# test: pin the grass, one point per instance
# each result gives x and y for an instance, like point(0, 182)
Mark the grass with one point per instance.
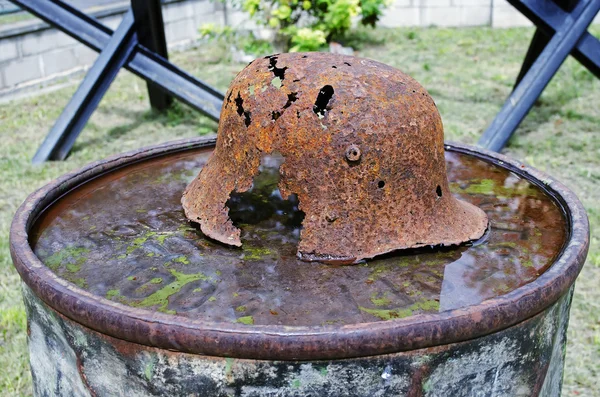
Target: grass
point(469, 72)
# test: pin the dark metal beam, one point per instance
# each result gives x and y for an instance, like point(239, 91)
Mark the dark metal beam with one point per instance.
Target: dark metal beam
point(144, 63)
point(549, 17)
point(537, 45)
point(62, 136)
point(151, 34)
point(539, 75)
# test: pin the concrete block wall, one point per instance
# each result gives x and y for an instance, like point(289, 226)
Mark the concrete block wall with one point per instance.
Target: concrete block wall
point(35, 54)
point(450, 13)
point(182, 20)
point(445, 13)
point(32, 54)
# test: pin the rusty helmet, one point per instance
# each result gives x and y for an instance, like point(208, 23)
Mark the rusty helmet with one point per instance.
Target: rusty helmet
point(363, 148)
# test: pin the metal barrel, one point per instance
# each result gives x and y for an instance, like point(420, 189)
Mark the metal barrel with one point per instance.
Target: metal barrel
point(83, 344)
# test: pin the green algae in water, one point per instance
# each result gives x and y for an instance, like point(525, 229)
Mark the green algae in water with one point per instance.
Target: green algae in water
point(248, 320)
point(78, 281)
point(162, 237)
point(139, 242)
point(255, 253)
point(485, 186)
point(72, 257)
point(74, 267)
point(491, 188)
point(425, 306)
point(182, 259)
point(380, 300)
point(527, 263)
point(160, 298)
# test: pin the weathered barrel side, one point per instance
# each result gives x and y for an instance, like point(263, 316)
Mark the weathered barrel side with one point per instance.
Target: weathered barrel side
point(523, 360)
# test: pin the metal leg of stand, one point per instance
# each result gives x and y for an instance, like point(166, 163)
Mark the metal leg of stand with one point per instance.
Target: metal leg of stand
point(537, 45)
point(539, 75)
point(151, 34)
point(61, 137)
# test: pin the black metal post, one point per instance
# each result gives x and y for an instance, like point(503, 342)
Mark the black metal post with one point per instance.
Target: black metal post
point(60, 139)
point(151, 34)
point(539, 75)
point(538, 43)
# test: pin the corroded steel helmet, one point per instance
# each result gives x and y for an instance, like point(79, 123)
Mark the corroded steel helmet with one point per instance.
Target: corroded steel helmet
point(363, 145)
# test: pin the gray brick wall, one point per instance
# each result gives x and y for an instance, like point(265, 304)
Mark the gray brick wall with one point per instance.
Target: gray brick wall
point(22, 70)
point(32, 54)
point(9, 49)
point(496, 13)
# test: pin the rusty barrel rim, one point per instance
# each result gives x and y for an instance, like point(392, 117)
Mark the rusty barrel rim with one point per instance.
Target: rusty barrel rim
point(299, 342)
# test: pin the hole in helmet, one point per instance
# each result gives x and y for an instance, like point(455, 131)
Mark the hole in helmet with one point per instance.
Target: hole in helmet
point(353, 153)
point(263, 203)
point(278, 72)
point(247, 118)
point(438, 191)
point(275, 115)
point(381, 184)
point(292, 97)
point(325, 95)
point(346, 63)
point(239, 103)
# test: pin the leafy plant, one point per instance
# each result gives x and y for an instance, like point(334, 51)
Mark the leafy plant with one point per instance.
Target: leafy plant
point(245, 41)
point(308, 25)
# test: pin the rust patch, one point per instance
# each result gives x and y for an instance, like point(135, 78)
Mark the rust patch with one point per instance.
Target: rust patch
point(82, 375)
point(363, 142)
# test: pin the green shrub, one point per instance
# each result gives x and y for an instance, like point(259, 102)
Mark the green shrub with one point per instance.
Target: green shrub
point(245, 41)
point(308, 25)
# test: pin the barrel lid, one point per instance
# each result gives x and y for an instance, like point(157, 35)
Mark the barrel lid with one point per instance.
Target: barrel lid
point(109, 247)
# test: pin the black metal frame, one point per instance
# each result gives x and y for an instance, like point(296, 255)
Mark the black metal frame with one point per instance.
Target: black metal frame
point(561, 30)
point(138, 45)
